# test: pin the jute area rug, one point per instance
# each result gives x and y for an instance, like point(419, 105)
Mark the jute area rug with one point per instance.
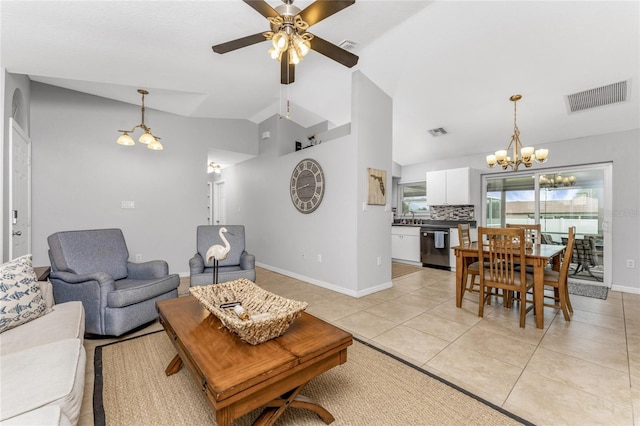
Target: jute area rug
point(371, 388)
point(400, 269)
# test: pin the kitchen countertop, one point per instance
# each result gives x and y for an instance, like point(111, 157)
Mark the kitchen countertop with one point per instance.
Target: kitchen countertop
point(441, 223)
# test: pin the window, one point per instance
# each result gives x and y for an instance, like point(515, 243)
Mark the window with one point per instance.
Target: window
point(557, 199)
point(413, 198)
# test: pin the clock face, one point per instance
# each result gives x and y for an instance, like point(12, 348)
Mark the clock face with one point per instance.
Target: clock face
point(307, 185)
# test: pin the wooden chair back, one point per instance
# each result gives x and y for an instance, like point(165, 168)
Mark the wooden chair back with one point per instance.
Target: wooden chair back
point(500, 251)
point(566, 256)
point(532, 232)
point(464, 234)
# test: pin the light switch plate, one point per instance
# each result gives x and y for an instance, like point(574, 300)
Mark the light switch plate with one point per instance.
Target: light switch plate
point(128, 205)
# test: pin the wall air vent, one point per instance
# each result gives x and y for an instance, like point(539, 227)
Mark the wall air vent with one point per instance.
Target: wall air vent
point(600, 96)
point(438, 132)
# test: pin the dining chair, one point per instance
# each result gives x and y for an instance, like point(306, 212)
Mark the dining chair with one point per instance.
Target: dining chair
point(473, 269)
point(532, 231)
point(559, 279)
point(532, 235)
point(499, 251)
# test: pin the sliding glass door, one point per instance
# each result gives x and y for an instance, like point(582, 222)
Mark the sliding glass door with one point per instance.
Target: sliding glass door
point(558, 199)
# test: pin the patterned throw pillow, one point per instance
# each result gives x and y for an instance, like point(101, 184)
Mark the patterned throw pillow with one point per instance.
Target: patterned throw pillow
point(20, 297)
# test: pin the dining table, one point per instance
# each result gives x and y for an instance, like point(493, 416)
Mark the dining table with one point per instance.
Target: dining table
point(537, 256)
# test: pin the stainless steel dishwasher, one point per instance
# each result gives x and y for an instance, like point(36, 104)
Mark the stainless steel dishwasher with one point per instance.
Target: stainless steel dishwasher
point(434, 247)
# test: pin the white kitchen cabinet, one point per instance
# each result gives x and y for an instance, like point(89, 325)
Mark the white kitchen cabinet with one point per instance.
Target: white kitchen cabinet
point(405, 243)
point(449, 187)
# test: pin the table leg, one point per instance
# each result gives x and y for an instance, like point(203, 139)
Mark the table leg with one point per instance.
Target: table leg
point(461, 273)
point(174, 366)
point(538, 291)
point(274, 409)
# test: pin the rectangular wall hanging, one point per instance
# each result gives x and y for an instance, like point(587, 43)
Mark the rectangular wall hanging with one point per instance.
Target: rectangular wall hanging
point(377, 186)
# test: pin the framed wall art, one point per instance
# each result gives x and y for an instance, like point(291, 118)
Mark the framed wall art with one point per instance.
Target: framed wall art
point(377, 186)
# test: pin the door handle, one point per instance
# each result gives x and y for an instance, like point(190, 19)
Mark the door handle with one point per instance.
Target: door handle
point(18, 233)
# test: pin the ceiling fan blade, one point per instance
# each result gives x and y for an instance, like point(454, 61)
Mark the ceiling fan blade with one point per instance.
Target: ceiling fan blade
point(321, 9)
point(334, 52)
point(262, 7)
point(238, 43)
point(287, 70)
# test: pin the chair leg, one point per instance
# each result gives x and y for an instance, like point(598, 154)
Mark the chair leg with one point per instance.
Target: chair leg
point(566, 290)
point(481, 301)
point(464, 285)
point(563, 305)
point(471, 284)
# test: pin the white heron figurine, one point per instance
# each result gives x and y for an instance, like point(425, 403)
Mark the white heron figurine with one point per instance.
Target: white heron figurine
point(218, 252)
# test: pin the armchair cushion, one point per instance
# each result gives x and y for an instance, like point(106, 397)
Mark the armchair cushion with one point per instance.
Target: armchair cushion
point(128, 291)
point(85, 252)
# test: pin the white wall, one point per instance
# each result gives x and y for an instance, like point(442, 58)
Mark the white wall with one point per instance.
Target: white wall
point(371, 115)
point(621, 148)
point(348, 239)
point(81, 176)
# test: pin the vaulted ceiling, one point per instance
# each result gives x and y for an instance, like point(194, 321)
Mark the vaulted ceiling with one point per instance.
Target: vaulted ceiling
point(449, 64)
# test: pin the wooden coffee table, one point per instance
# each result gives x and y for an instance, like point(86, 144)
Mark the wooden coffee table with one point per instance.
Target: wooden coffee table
point(238, 377)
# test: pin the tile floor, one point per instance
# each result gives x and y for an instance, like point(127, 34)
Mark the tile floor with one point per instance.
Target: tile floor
point(582, 372)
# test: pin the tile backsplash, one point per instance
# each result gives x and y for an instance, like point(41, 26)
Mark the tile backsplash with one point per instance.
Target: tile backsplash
point(452, 212)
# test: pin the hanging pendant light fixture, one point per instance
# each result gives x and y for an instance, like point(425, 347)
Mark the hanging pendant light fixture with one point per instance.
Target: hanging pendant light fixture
point(521, 155)
point(556, 181)
point(147, 137)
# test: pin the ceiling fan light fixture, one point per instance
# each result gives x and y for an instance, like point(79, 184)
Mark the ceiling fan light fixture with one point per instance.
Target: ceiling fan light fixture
point(288, 27)
point(280, 40)
point(294, 56)
point(302, 45)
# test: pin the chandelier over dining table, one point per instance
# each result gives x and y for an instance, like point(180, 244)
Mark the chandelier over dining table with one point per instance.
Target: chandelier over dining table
point(521, 155)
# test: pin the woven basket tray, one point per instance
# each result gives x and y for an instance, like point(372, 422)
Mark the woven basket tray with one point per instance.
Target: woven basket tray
point(255, 300)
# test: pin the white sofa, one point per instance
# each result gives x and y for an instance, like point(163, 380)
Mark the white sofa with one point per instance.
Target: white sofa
point(42, 366)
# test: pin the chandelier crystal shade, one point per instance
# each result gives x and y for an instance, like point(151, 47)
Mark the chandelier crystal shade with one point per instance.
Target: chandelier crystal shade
point(146, 138)
point(521, 155)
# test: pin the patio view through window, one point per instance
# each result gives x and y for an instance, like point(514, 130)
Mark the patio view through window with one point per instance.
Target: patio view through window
point(557, 199)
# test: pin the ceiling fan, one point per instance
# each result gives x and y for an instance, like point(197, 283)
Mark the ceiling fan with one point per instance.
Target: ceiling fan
point(289, 36)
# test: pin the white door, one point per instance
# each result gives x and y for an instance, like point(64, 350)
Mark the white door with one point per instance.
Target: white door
point(219, 204)
point(19, 192)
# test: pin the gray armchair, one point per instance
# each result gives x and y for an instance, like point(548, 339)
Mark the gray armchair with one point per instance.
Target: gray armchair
point(92, 266)
point(238, 264)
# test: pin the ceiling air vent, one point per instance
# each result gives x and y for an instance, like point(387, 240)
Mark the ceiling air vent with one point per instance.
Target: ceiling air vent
point(438, 132)
point(600, 96)
point(348, 44)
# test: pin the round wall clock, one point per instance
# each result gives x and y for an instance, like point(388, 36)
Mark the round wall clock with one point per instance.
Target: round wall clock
point(307, 185)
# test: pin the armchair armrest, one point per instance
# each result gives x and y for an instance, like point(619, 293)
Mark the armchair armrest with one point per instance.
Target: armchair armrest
point(147, 270)
point(102, 278)
point(247, 261)
point(196, 264)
